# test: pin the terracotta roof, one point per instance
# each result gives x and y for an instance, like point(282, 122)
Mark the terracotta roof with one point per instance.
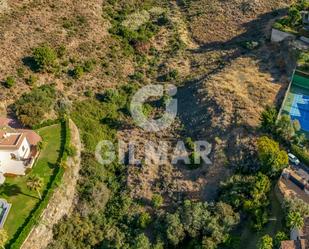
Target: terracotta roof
point(11, 140)
point(305, 233)
point(291, 244)
point(32, 137)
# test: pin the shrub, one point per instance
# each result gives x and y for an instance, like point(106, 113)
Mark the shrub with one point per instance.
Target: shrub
point(271, 157)
point(20, 72)
point(157, 200)
point(32, 107)
point(78, 72)
point(278, 25)
point(89, 65)
point(71, 151)
point(177, 44)
point(268, 119)
point(195, 160)
point(144, 220)
point(61, 51)
point(302, 155)
point(190, 144)
point(294, 17)
point(9, 82)
point(45, 57)
point(138, 76)
point(32, 80)
point(89, 93)
point(266, 242)
point(172, 75)
point(250, 45)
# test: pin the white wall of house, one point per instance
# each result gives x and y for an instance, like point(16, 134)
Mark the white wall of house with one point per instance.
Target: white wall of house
point(278, 36)
point(11, 166)
point(24, 149)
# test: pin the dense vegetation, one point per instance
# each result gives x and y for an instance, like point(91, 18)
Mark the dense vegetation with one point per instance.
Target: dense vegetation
point(32, 108)
point(293, 21)
point(250, 195)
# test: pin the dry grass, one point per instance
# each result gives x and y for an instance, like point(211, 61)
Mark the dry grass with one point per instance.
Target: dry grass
point(242, 87)
point(31, 23)
point(220, 21)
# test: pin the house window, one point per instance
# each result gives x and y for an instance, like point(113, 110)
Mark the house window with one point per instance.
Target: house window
point(23, 148)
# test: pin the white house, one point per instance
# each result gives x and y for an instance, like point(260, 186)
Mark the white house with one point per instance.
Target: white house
point(17, 152)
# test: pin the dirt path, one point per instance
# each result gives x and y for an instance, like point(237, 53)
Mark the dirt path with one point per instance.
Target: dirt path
point(61, 203)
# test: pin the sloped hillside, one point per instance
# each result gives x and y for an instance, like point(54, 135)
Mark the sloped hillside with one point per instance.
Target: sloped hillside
point(220, 21)
point(218, 54)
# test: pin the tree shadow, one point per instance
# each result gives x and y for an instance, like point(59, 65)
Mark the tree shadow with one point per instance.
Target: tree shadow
point(198, 110)
point(10, 190)
point(51, 165)
point(29, 62)
point(191, 98)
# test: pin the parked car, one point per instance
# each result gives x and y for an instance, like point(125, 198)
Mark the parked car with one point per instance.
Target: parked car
point(293, 159)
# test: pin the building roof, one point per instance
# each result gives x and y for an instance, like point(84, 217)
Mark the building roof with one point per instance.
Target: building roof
point(294, 244)
point(305, 231)
point(289, 244)
point(303, 239)
point(32, 137)
point(11, 140)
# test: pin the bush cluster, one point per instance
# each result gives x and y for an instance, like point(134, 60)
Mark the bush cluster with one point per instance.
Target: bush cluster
point(32, 107)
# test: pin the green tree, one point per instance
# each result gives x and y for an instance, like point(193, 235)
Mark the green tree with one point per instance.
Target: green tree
point(157, 200)
point(45, 57)
point(194, 216)
point(249, 194)
point(209, 243)
point(3, 238)
point(266, 242)
point(295, 220)
point(32, 107)
point(174, 229)
point(272, 159)
point(35, 183)
point(285, 128)
point(144, 220)
point(299, 139)
point(226, 214)
point(295, 17)
point(280, 236)
point(297, 205)
point(158, 245)
point(141, 242)
point(268, 119)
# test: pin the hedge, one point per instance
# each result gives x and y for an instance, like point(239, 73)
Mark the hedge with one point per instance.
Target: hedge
point(36, 213)
point(302, 155)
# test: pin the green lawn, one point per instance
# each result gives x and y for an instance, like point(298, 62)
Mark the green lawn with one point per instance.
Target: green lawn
point(15, 190)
